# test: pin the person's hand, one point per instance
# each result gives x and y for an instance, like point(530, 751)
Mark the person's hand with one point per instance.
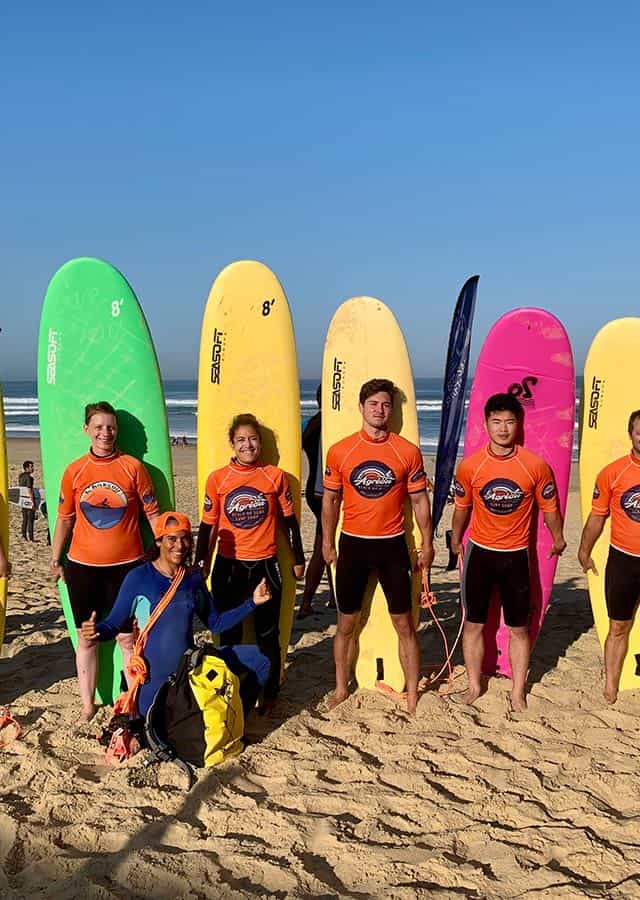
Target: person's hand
point(88, 628)
point(56, 570)
point(5, 568)
point(587, 563)
point(262, 593)
point(456, 545)
point(298, 570)
point(329, 553)
point(425, 557)
point(557, 548)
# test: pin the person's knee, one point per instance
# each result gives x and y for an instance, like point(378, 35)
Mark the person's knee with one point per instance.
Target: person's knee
point(619, 628)
point(346, 624)
point(125, 641)
point(473, 629)
point(519, 632)
point(404, 626)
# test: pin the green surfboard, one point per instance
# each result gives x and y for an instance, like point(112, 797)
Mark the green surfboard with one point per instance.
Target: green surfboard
point(95, 344)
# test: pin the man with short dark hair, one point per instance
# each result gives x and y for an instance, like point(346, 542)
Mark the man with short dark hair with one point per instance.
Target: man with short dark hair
point(500, 484)
point(371, 472)
point(27, 499)
point(617, 494)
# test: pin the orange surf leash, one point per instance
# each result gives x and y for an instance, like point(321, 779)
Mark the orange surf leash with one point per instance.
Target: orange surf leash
point(428, 600)
point(137, 668)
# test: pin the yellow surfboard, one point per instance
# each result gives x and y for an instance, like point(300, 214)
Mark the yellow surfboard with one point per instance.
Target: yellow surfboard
point(248, 363)
point(364, 341)
point(4, 516)
point(611, 392)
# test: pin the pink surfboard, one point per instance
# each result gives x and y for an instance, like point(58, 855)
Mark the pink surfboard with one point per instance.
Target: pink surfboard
point(527, 353)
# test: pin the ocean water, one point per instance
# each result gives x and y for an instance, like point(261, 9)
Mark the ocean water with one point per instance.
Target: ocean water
point(21, 409)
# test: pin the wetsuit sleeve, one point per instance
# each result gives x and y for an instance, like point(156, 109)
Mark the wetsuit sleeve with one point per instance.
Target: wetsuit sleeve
point(123, 609)
point(546, 492)
point(285, 498)
point(416, 475)
point(600, 505)
point(202, 545)
point(211, 505)
point(146, 492)
point(332, 474)
point(462, 486)
point(219, 621)
point(295, 539)
point(66, 504)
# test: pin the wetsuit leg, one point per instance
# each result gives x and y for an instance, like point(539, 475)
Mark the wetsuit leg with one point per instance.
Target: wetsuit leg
point(267, 621)
point(230, 588)
point(252, 668)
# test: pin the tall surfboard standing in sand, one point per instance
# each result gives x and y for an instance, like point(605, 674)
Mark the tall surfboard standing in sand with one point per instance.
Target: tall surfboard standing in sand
point(454, 390)
point(95, 344)
point(527, 353)
point(248, 363)
point(364, 341)
point(611, 393)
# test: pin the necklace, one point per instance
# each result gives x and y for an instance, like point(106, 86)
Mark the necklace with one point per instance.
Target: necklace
point(170, 575)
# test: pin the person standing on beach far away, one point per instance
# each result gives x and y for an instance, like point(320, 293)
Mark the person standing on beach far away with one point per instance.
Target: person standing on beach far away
point(498, 487)
point(311, 444)
point(101, 498)
point(27, 499)
point(371, 472)
point(243, 502)
point(617, 494)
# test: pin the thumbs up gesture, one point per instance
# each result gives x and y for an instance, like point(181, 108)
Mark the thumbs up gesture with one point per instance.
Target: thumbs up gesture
point(88, 628)
point(261, 593)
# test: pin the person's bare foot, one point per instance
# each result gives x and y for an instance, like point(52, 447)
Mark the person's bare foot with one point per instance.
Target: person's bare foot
point(87, 714)
point(518, 703)
point(337, 698)
point(412, 702)
point(610, 694)
point(471, 695)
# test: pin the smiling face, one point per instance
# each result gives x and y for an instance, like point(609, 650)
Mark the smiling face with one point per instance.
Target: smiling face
point(174, 548)
point(376, 410)
point(246, 445)
point(502, 428)
point(102, 429)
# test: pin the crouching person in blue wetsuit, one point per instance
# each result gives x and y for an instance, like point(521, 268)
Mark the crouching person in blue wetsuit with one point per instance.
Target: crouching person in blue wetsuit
point(172, 633)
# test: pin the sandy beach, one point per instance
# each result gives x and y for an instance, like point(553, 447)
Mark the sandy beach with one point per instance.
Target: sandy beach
point(360, 802)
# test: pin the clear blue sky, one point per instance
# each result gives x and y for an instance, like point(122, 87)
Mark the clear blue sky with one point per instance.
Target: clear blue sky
point(384, 149)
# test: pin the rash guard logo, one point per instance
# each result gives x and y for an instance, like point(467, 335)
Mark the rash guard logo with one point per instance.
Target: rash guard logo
point(502, 496)
point(208, 505)
point(549, 490)
point(372, 479)
point(630, 503)
point(246, 507)
point(103, 504)
point(596, 492)
point(458, 489)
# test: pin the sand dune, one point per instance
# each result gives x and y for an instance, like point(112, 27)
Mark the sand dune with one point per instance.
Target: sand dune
point(361, 802)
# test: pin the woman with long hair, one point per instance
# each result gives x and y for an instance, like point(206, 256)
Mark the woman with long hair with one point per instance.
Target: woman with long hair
point(243, 504)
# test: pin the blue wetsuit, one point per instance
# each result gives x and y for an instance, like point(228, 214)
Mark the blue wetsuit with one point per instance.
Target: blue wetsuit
point(172, 633)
